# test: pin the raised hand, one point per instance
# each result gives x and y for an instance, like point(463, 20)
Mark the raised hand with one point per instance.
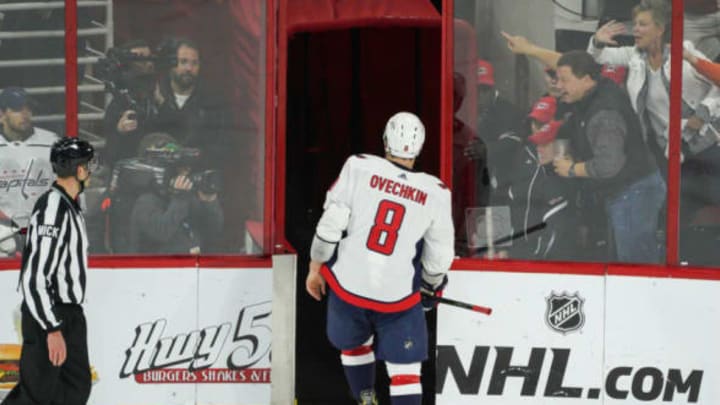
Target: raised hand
point(688, 56)
point(127, 122)
point(518, 44)
point(607, 32)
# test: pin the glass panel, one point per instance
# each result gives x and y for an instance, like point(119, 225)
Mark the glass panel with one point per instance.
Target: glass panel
point(182, 140)
point(700, 168)
point(32, 109)
point(554, 162)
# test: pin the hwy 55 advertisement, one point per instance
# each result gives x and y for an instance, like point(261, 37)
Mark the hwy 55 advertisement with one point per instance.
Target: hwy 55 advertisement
point(165, 336)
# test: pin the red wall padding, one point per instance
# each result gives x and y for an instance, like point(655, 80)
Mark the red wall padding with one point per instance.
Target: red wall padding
point(343, 85)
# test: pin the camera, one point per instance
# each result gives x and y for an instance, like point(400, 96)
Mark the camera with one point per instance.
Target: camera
point(207, 181)
point(159, 166)
point(124, 77)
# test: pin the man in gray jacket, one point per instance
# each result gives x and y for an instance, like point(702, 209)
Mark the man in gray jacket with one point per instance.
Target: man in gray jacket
point(610, 158)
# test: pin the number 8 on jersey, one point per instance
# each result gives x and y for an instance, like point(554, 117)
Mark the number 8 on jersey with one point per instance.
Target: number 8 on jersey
point(384, 233)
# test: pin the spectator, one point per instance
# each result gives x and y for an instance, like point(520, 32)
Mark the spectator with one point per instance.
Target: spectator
point(617, 74)
point(470, 177)
point(130, 114)
point(561, 109)
point(610, 158)
point(648, 64)
point(702, 27)
point(550, 77)
point(539, 208)
point(25, 170)
point(648, 79)
point(710, 70)
point(649, 67)
point(543, 111)
point(187, 110)
point(541, 214)
point(178, 210)
point(498, 123)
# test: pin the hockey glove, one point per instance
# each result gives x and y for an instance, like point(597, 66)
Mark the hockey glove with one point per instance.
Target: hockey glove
point(429, 293)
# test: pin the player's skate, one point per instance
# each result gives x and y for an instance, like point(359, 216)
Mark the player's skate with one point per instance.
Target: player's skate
point(368, 397)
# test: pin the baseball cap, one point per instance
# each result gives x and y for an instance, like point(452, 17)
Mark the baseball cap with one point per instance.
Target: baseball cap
point(15, 98)
point(615, 73)
point(485, 73)
point(544, 109)
point(546, 134)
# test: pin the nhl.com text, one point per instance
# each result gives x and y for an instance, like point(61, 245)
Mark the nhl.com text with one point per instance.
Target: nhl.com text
point(644, 383)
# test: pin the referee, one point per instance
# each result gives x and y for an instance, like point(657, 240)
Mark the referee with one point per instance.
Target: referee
point(54, 366)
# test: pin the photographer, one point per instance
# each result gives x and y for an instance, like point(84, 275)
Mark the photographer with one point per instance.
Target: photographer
point(129, 74)
point(178, 211)
point(187, 109)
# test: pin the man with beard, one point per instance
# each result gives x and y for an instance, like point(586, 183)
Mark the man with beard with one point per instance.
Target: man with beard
point(25, 170)
point(129, 117)
point(187, 110)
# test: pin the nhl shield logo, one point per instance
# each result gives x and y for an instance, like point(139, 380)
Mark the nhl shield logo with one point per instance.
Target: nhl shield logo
point(564, 312)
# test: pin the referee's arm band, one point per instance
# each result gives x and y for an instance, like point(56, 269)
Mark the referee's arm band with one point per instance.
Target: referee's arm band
point(321, 250)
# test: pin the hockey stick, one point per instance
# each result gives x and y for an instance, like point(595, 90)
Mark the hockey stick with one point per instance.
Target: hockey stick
point(459, 304)
point(15, 230)
point(516, 235)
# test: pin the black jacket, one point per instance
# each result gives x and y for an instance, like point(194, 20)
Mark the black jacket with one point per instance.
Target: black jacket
point(124, 145)
point(203, 122)
point(177, 223)
point(541, 215)
point(606, 96)
point(499, 127)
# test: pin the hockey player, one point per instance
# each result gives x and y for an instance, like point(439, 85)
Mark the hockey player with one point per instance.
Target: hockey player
point(25, 170)
point(386, 232)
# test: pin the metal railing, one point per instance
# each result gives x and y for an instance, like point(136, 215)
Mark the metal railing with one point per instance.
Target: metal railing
point(89, 84)
point(48, 5)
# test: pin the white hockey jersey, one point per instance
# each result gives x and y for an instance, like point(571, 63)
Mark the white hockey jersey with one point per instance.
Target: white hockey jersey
point(25, 172)
point(391, 223)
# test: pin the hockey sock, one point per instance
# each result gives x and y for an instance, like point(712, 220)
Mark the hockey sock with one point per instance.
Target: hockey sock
point(405, 387)
point(407, 400)
point(359, 366)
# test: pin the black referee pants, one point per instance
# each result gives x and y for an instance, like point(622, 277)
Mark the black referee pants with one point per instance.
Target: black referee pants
point(41, 383)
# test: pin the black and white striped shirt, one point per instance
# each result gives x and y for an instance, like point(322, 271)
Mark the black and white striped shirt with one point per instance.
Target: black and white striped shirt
point(54, 260)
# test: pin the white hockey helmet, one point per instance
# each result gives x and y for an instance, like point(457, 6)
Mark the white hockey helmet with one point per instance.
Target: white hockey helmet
point(404, 135)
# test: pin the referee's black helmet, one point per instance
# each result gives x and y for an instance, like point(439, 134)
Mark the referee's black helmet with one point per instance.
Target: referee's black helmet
point(67, 154)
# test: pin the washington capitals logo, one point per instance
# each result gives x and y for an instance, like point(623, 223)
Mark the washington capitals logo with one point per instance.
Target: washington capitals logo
point(564, 312)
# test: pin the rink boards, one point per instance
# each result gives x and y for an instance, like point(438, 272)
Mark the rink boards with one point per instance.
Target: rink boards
point(593, 336)
point(172, 336)
point(584, 338)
